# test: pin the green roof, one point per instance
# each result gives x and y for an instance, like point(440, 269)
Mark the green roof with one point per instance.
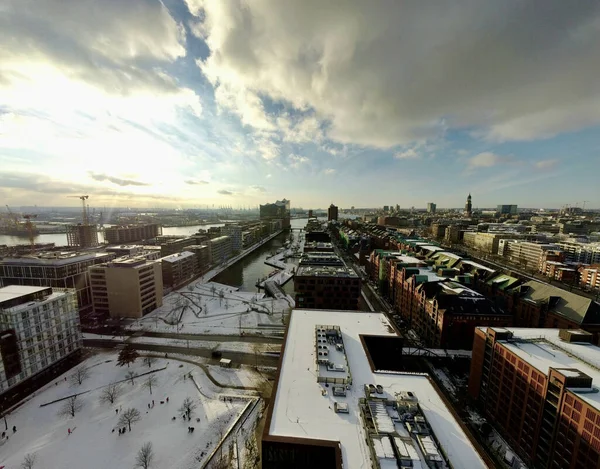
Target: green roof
point(502, 282)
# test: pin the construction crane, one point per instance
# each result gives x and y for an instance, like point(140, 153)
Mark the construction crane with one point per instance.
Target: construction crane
point(84, 212)
point(30, 229)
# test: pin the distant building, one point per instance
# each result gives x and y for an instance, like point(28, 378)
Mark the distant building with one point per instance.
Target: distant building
point(540, 388)
point(279, 209)
point(82, 236)
point(485, 242)
point(438, 230)
point(339, 389)
point(452, 234)
point(234, 231)
point(177, 269)
point(580, 252)
point(202, 254)
point(531, 255)
point(431, 207)
point(506, 209)
point(469, 206)
point(310, 213)
point(332, 213)
point(576, 228)
point(589, 277)
point(386, 208)
point(220, 249)
point(39, 329)
point(173, 244)
point(151, 253)
point(57, 269)
point(126, 288)
point(131, 233)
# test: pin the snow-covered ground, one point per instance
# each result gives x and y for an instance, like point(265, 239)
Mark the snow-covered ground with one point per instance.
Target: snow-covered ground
point(93, 445)
point(214, 308)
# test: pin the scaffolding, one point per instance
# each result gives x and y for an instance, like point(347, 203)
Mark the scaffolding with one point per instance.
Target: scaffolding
point(83, 236)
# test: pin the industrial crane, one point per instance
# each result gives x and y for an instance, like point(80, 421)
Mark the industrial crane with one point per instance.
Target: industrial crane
point(84, 212)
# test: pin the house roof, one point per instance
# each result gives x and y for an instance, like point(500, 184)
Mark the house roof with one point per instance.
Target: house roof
point(503, 281)
point(570, 305)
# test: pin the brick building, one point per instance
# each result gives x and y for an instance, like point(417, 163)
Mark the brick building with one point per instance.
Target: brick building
point(539, 387)
point(320, 285)
point(130, 233)
point(589, 278)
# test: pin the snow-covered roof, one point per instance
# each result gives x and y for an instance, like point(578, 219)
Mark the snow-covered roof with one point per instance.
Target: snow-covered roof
point(12, 292)
point(479, 266)
point(543, 349)
point(304, 408)
point(177, 256)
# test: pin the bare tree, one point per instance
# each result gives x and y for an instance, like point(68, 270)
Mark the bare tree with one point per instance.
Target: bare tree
point(188, 406)
point(130, 375)
point(129, 416)
point(29, 461)
point(111, 393)
point(80, 374)
point(149, 360)
point(151, 381)
point(145, 456)
point(70, 407)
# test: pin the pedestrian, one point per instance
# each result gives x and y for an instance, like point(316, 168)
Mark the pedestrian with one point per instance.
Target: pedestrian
point(152, 402)
point(148, 407)
point(14, 429)
point(167, 399)
point(116, 411)
point(69, 431)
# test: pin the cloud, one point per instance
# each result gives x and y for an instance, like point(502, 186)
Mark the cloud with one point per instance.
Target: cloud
point(329, 171)
point(295, 161)
point(224, 192)
point(115, 180)
point(195, 182)
point(409, 154)
point(259, 188)
point(485, 160)
point(268, 176)
point(546, 164)
point(365, 74)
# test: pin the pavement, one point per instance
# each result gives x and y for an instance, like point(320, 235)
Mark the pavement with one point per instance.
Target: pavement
point(243, 358)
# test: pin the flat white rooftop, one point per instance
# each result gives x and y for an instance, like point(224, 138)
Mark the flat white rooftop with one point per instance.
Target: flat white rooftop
point(302, 408)
point(13, 292)
point(177, 256)
point(543, 349)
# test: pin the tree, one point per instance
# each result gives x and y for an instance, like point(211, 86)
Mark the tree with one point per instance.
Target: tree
point(70, 407)
point(145, 456)
point(130, 375)
point(188, 406)
point(127, 355)
point(111, 393)
point(29, 461)
point(149, 360)
point(129, 416)
point(80, 374)
point(151, 380)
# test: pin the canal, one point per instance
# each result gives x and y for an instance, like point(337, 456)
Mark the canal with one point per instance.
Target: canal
point(247, 271)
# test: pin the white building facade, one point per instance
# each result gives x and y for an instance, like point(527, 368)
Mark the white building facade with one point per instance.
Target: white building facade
point(40, 325)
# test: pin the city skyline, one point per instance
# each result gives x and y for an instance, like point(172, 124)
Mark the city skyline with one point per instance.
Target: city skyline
point(193, 103)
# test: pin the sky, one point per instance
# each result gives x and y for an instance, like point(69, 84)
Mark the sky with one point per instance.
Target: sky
point(193, 103)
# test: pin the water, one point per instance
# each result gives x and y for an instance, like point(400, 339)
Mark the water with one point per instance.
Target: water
point(60, 239)
point(247, 271)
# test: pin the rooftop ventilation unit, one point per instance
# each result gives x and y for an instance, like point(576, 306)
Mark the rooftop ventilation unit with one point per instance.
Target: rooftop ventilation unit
point(575, 335)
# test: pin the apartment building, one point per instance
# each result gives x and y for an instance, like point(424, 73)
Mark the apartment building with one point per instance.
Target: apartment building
point(531, 255)
point(57, 269)
point(126, 288)
point(589, 278)
point(221, 249)
point(540, 388)
point(234, 231)
point(177, 269)
point(39, 331)
point(173, 244)
point(151, 253)
point(485, 242)
point(583, 253)
point(131, 233)
point(202, 254)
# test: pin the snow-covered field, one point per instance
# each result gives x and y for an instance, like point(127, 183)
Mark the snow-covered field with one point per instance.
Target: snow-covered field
point(214, 308)
point(94, 445)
